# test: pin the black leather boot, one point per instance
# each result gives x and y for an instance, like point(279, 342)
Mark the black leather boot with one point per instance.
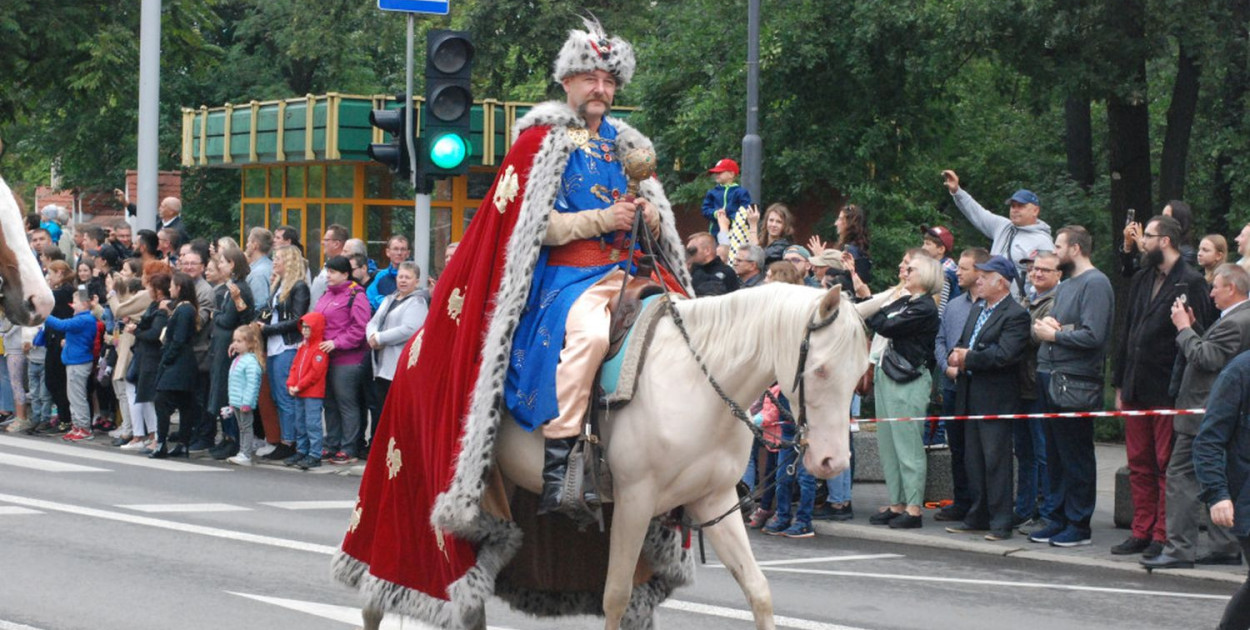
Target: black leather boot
point(555, 467)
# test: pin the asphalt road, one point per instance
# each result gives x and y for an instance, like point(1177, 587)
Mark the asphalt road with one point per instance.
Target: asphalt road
point(93, 538)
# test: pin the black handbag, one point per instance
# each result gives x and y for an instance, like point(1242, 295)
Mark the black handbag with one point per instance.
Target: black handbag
point(1070, 393)
point(896, 367)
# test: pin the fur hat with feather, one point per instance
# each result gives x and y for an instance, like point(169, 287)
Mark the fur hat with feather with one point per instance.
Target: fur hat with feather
point(592, 49)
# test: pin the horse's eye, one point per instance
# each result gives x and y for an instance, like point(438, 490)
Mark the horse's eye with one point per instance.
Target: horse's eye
point(821, 372)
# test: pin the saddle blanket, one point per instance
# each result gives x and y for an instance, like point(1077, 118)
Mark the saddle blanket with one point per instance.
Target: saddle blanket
point(618, 378)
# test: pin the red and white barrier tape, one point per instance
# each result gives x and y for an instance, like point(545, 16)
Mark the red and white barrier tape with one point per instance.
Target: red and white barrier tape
point(1028, 416)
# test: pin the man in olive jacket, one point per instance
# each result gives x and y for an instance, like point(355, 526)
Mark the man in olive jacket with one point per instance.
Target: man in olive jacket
point(1205, 356)
point(988, 358)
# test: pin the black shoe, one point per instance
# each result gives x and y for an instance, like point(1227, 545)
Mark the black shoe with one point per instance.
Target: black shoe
point(120, 441)
point(309, 462)
point(828, 512)
point(950, 513)
point(294, 459)
point(883, 517)
point(555, 466)
point(228, 448)
point(1164, 561)
point(999, 534)
point(1153, 550)
point(199, 445)
point(281, 452)
point(1227, 559)
point(906, 521)
point(159, 453)
point(179, 451)
point(1130, 546)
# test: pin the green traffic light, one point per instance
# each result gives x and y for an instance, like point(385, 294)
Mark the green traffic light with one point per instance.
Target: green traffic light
point(448, 151)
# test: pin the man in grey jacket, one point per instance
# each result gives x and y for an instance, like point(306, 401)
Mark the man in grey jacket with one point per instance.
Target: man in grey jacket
point(1205, 356)
point(1073, 350)
point(1013, 238)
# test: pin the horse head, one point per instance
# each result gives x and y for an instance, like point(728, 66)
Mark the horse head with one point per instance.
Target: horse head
point(24, 294)
point(836, 359)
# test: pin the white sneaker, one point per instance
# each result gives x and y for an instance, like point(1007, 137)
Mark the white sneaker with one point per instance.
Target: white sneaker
point(240, 460)
point(134, 445)
point(265, 450)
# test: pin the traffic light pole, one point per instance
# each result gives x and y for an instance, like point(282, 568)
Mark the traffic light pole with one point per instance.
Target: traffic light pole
point(421, 223)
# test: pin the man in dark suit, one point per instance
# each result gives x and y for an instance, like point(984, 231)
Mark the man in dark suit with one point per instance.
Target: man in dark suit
point(1143, 375)
point(1205, 356)
point(988, 359)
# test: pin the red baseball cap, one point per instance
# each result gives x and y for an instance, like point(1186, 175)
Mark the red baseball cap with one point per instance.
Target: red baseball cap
point(943, 236)
point(725, 165)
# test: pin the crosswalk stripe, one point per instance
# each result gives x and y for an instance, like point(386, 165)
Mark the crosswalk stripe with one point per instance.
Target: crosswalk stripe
point(172, 508)
point(14, 510)
point(311, 505)
point(45, 465)
point(85, 452)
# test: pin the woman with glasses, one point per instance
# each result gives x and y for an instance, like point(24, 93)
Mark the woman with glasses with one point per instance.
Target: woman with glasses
point(907, 317)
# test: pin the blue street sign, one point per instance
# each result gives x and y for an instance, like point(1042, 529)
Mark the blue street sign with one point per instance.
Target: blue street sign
point(435, 7)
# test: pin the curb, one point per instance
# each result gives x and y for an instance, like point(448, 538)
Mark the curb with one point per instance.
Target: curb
point(1007, 550)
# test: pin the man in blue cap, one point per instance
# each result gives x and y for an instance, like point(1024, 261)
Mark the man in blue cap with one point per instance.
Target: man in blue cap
point(987, 359)
point(1014, 237)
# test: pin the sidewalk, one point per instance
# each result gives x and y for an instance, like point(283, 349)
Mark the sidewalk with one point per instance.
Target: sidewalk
point(868, 497)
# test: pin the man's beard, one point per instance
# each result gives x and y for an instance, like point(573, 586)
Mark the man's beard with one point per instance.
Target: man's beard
point(1067, 267)
point(1152, 258)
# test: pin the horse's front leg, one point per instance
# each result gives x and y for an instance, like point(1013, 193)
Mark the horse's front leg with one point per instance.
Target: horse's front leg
point(729, 540)
point(372, 618)
point(631, 516)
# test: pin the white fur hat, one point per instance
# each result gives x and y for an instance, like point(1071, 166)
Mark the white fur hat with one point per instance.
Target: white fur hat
point(592, 49)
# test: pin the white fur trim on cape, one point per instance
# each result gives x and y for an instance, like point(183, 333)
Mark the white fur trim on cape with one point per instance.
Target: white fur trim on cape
point(458, 510)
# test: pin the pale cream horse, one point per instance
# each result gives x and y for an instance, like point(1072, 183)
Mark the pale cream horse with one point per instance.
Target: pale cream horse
point(24, 294)
point(677, 444)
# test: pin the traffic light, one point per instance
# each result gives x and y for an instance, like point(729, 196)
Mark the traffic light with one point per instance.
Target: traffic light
point(396, 153)
point(448, 101)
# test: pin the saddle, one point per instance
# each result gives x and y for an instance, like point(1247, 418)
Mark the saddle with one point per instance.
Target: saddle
point(627, 304)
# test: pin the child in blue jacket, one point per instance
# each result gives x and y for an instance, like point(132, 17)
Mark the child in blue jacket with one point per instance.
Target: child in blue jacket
point(727, 195)
point(78, 356)
point(244, 386)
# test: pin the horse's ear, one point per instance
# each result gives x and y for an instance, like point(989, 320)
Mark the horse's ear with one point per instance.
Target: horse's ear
point(829, 303)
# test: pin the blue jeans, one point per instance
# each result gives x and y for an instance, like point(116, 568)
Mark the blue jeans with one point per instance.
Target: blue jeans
point(840, 487)
point(1033, 496)
point(289, 410)
point(785, 492)
point(40, 399)
point(308, 434)
point(6, 390)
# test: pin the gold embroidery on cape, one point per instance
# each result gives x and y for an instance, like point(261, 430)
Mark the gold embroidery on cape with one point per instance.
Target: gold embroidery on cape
point(394, 460)
point(355, 520)
point(454, 304)
point(415, 349)
point(507, 189)
point(442, 544)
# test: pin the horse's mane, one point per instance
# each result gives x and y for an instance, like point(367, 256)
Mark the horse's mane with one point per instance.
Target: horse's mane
point(762, 322)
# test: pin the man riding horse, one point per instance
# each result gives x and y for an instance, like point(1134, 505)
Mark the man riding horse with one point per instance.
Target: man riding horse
point(520, 320)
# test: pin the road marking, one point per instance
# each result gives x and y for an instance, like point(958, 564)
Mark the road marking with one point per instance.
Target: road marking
point(13, 510)
point(344, 614)
point(311, 505)
point(1061, 587)
point(824, 559)
point(745, 615)
point(45, 465)
point(174, 508)
point(148, 521)
point(9, 625)
point(124, 459)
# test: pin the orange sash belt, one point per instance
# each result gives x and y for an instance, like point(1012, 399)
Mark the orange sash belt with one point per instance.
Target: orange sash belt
point(585, 253)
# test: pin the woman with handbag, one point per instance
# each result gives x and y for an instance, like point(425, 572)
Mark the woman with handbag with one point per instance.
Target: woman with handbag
point(907, 316)
point(279, 323)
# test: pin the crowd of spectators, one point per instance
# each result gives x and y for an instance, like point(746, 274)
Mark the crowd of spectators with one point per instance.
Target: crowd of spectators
point(244, 347)
point(1020, 321)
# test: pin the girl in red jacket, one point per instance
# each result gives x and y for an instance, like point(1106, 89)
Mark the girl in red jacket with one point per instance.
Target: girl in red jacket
point(307, 384)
